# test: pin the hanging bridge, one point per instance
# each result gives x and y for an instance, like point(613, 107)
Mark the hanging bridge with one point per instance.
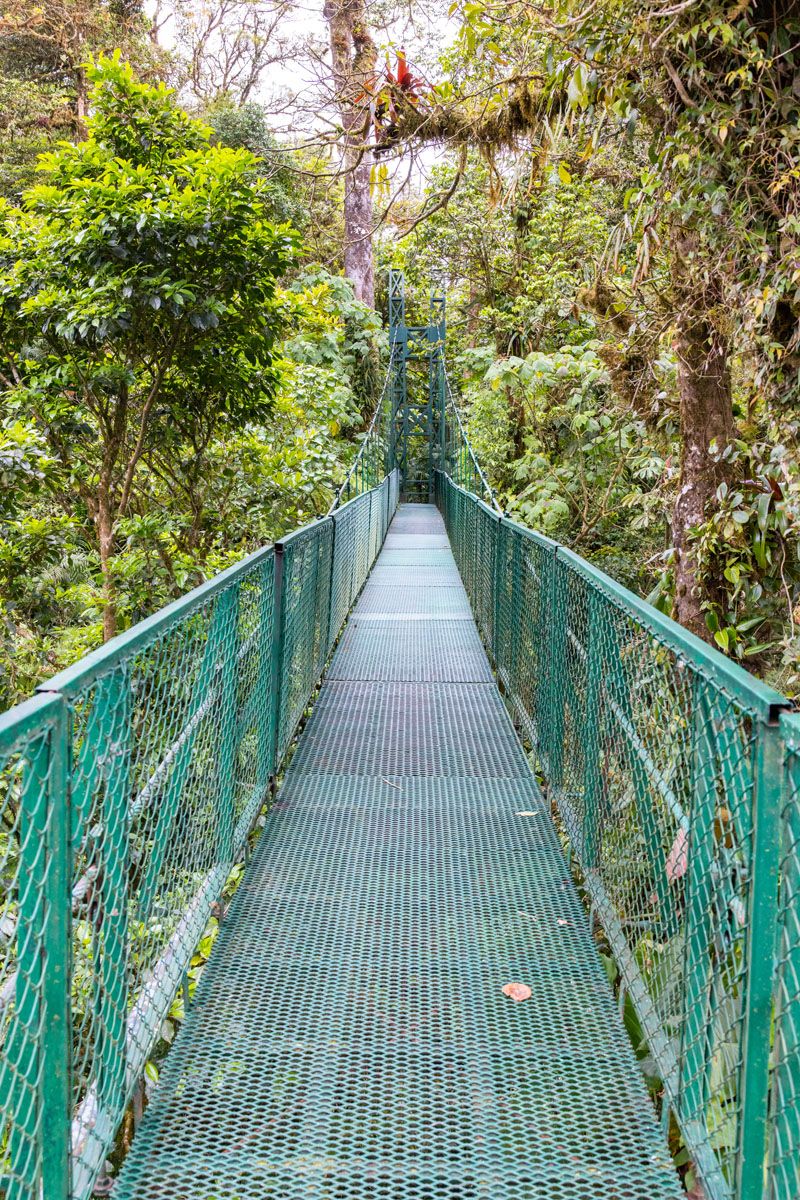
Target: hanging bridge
point(515, 772)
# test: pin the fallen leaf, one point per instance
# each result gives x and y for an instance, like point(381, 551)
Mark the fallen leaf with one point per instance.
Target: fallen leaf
point(517, 991)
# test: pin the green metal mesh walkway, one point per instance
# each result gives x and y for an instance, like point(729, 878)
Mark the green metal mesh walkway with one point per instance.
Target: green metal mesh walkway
point(350, 1037)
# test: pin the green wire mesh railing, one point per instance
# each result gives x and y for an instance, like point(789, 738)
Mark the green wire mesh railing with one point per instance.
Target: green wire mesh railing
point(666, 764)
point(784, 1152)
point(128, 789)
point(371, 462)
point(170, 761)
point(34, 933)
point(462, 464)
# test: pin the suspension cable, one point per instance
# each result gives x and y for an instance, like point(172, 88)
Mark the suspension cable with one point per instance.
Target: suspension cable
point(371, 440)
point(372, 429)
point(453, 404)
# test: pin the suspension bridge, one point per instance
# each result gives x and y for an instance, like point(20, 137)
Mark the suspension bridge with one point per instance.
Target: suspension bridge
point(522, 919)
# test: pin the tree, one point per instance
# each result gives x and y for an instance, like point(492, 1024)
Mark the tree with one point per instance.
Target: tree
point(559, 387)
point(353, 59)
point(137, 292)
point(227, 45)
point(43, 81)
point(709, 89)
point(245, 127)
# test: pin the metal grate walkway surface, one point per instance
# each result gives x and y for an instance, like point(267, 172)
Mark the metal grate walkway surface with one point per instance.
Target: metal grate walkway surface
point(350, 1037)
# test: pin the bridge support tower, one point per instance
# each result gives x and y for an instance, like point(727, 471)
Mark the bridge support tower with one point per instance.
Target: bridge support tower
point(416, 392)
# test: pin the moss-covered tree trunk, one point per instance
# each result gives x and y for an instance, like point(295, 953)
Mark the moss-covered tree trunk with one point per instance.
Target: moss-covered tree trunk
point(706, 419)
point(353, 58)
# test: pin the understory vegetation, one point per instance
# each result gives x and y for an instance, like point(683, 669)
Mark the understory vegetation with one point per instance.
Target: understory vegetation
point(173, 398)
point(190, 305)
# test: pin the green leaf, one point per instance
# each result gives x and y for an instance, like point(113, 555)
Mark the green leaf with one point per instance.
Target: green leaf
point(610, 968)
point(762, 510)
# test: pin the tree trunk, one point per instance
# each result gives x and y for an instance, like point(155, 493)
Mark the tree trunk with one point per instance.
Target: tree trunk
point(706, 420)
point(353, 57)
point(105, 538)
point(81, 103)
point(107, 510)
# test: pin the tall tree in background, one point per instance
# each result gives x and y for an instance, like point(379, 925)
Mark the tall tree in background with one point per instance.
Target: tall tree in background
point(43, 82)
point(710, 90)
point(353, 58)
point(160, 312)
point(226, 46)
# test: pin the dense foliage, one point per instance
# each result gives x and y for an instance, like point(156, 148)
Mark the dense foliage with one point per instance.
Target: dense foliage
point(167, 406)
point(615, 214)
point(185, 370)
point(622, 231)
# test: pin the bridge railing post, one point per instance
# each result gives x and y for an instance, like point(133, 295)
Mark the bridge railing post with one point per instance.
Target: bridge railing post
point(556, 673)
point(229, 661)
point(57, 1042)
point(276, 670)
point(333, 632)
point(499, 579)
point(783, 1151)
point(592, 714)
point(36, 915)
point(266, 636)
point(760, 961)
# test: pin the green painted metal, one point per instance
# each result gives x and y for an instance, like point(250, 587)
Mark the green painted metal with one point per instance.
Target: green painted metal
point(33, 949)
point(784, 1124)
point(594, 808)
point(664, 760)
point(130, 785)
point(416, 424)
point(760, 961)
point(56, 940)
point(409, 870)
point(128, 790)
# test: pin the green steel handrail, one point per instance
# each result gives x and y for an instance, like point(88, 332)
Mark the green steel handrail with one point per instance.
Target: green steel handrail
point(373, 446)
point(128, 789)
point(677, 778)
point(97, 662)
point(732, 678)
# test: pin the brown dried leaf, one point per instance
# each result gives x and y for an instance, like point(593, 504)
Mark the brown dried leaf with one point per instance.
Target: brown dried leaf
point(517, 991)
